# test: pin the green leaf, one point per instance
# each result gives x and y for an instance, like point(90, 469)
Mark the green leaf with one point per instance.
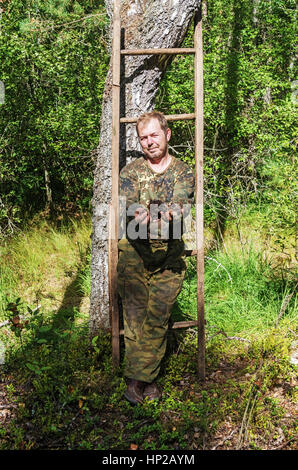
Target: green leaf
point(45, 328)
point(33, 367)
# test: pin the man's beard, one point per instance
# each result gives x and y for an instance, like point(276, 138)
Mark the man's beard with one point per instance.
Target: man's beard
point(159, 156)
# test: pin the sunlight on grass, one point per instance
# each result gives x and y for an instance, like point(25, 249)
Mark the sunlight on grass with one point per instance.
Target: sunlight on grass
point(243, 292)
point(74, 384)
point(42, 259)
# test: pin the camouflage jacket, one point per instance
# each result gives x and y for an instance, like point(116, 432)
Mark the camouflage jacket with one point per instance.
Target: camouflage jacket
point(140, 186)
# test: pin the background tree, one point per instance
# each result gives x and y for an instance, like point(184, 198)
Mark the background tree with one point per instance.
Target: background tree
point(145, 23)
point(54, 59)
point(250, 70)
point(53, 63)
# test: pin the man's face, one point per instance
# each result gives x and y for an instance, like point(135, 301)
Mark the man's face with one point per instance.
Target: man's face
point(153, 140)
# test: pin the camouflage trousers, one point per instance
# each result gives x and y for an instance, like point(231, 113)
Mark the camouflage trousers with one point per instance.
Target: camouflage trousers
point(147, 299)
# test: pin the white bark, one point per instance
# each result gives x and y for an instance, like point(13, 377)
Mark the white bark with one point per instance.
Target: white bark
point(145, 23)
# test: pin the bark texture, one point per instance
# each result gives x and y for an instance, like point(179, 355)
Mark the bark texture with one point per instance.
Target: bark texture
point(145, 23)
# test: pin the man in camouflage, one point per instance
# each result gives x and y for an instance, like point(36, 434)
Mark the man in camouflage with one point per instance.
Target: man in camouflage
point(157, 187)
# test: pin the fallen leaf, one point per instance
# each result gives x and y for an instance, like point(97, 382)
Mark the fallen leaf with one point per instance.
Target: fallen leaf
point(12, 307)
point(15, 320)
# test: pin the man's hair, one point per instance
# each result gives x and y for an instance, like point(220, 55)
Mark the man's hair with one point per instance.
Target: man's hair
point(153, 115)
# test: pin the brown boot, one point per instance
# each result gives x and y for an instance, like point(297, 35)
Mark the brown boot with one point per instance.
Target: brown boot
point(134, 391)
point(151, 392)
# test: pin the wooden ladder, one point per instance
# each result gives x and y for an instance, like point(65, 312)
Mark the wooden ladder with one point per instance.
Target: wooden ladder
point(197, 51)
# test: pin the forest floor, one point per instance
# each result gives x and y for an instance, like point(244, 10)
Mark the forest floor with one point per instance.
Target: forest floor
point(59, 392)
point(278, 434)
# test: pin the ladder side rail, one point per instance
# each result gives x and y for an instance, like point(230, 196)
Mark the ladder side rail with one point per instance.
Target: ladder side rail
point(169, 117)
point(199, 150)
point(113, 222)
point(113, 237)
point(178, 325)
point(167, 51)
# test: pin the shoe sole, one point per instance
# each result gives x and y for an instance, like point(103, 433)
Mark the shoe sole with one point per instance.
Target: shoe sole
point(131, 400)
point(152, 398)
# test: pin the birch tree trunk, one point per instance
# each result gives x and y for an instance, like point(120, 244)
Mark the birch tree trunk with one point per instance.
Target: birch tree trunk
point(145, 23)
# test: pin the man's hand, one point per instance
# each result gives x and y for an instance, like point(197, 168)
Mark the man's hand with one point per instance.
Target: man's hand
point(142, 216)
point(167, 215)
point(170, 214)
point(164, 212)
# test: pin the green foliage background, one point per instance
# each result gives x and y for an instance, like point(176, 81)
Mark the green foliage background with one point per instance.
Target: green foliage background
point(250, 112)
point(53, 63)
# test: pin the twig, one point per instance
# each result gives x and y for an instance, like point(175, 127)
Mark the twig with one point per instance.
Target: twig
point(240, 438)
point(285, 303)
point(220, 265)
point(224, 440)
point(221, 332)
point(71, 22)
point(250, 414)
point(173, 150)
point(216, 150)
point(254, 393)
point(283, 444)
point(293, 332)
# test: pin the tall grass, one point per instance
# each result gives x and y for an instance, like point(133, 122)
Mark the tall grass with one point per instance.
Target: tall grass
point(75, 387)
point(243, 292)
point(40, 259)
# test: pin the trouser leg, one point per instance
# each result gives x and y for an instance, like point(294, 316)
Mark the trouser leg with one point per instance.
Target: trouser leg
point(147, 302)
point(164, 287)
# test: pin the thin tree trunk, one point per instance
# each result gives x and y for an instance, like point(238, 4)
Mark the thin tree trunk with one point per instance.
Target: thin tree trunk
point(48, 188)
point(145, 23)
point(49, 199)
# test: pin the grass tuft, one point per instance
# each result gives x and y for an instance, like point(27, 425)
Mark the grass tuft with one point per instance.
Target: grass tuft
point(65, 393)
point(243, 292)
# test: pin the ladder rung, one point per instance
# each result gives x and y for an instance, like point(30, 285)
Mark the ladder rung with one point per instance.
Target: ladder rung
point(183, 324)
point(157, 51)
point(176, 325)
point(171, 117)
point(190, 252)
